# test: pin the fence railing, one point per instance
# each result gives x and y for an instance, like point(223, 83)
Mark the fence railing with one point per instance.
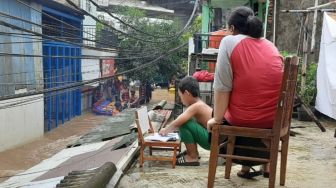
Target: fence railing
point(99, 37)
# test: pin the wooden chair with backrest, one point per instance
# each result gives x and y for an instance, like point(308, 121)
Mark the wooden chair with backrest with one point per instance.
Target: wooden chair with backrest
point(143, 125)
point(279, 133)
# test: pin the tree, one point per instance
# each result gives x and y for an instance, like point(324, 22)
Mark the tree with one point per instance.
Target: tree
point(167, 67)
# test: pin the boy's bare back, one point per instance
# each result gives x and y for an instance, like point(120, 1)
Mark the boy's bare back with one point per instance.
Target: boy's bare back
point(201, 112)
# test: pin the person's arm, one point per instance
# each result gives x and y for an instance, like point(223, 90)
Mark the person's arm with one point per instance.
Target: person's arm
point(221, 101)
point(222, 83)
point(179, 121)
point(135, 100)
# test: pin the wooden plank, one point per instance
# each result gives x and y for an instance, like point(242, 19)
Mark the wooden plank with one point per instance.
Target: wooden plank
point(244, 158)
point(124, 163)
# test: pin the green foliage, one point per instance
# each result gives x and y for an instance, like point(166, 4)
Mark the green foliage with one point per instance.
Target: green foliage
point(195, 28)
point(285, 53)
point(309, 91)
point(168, 67)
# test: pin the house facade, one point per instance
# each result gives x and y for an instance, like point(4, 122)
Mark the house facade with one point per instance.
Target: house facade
point(40, 46)
point(21, 119)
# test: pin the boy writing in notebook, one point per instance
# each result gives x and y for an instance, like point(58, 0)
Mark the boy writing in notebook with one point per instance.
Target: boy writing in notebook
point(192, 123)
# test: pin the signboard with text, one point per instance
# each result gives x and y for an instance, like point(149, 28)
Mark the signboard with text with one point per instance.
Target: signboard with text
point(107, 67)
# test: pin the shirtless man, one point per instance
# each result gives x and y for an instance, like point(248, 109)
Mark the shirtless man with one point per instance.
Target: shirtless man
point(192, 123)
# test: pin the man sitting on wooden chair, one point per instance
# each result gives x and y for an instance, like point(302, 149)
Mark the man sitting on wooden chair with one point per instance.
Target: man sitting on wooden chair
point(191, 123)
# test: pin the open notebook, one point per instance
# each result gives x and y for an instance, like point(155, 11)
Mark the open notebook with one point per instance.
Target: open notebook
point(158, 137)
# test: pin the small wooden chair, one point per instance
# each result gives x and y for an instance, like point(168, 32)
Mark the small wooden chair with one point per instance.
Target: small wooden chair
point(143, 125)
point(279, 132)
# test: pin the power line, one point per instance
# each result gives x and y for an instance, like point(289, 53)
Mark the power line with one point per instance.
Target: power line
point(180, 33)
point(57, 36)
point(23, 42)
point(131, 36)
point(34, 99)
point(187, 25)
point(66, 58)
point(48, 40)
point(52, 17)
point(23, 102)
point(76, 57)
point(49, 27)
point(48, 70)
point(48, 15)
point(126, 24)
point(47, 95)
point(107, 25)
point(93, 80)
point(53, 38)
point(33, 82)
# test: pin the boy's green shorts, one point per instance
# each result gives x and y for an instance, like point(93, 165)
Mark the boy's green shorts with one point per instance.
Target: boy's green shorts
point(193, 132)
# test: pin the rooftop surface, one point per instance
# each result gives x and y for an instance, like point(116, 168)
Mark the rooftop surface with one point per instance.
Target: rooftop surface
point(311, 163)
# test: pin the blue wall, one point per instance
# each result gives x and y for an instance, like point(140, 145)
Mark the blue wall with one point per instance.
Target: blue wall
point(58, 72)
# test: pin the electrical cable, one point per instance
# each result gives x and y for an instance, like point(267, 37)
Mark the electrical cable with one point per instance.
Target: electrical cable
point(31, 100)
point(22, 42)
point(186, 26)
point(23, 102)
point(144, 67)
point(34, 82)
point(126, 24)
point(48, 15)
point(45, 82)
point(42, 71)
point(131, 36)
point(107, 25)
point(190, 20)
point(78, 38)
point(76, 57)
point(51, 27)
point(65, 58)
point(48, 27)
point(93, 80)
point(54, 38)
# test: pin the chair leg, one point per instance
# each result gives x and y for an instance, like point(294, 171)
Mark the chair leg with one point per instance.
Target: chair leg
point(213, 156)
point(273, 162)
point(283, 164)
point(150, 151)
point(141, 161)
point(174, 157)
point(229, 151)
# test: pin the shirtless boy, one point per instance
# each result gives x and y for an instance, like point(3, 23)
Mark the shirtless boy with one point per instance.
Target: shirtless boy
point(192, 123)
